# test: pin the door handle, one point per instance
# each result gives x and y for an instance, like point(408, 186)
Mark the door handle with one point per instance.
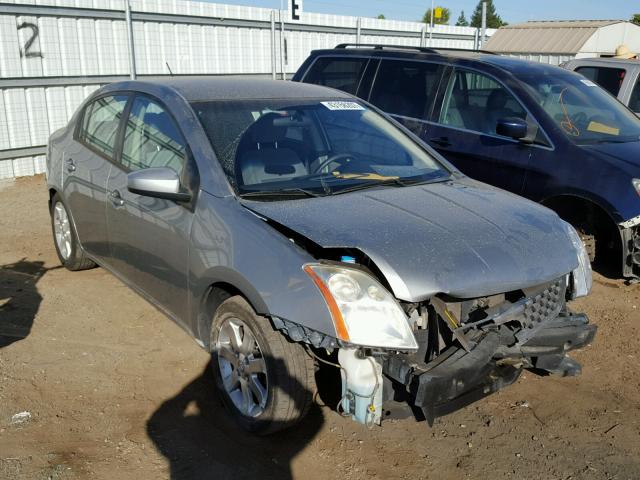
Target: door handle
point(71, 167)
point(116, 198)
point(441, 141)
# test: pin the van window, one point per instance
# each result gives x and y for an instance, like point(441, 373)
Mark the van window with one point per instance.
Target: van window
point(152, 138)
point(634, 101)
point(406, 88)
point(101, 121)
point(608, 78)
point(476, 102)
point(340, 73)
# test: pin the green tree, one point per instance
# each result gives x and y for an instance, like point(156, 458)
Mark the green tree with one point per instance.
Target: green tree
point(636, 19)
point(444, 20)
point(493, 19)
point(462, 20)
point(381, 17)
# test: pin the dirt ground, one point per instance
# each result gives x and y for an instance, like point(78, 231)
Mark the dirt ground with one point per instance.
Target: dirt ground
point(116, 390)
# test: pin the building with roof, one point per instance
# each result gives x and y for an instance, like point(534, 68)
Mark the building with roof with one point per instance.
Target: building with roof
point(555, 42)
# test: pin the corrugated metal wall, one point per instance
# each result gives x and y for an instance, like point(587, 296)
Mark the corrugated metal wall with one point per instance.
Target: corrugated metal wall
point(551, 59)
point(53, 53)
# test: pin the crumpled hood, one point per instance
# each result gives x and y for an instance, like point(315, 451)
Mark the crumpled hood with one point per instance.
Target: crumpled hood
point(462, 238)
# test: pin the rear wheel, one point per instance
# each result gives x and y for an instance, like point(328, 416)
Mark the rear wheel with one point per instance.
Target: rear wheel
point(69, 252)
point(264, 380)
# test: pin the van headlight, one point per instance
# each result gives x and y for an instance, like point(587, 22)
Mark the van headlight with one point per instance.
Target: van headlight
point(363, 311)
point(581, 276)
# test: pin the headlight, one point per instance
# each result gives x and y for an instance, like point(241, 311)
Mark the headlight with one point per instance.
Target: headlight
point(363, 311)
point(582, 275)
point(636, 184)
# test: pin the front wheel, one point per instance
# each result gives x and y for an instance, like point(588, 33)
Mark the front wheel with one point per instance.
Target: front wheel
point(65, 238)
point(264, 380)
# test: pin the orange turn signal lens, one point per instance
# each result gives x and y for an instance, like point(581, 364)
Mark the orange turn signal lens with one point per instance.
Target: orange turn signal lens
point(338, 321)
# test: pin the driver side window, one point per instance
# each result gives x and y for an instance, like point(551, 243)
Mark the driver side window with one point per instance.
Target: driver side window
point(476, 102)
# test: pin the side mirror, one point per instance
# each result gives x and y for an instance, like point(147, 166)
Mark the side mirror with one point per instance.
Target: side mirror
point(161, 182)
point(512, 127)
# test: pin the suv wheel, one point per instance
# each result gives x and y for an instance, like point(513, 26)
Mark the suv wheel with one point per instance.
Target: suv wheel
point(265, 381)
point(65, 238)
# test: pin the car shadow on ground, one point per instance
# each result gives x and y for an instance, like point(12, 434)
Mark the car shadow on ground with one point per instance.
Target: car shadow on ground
point(19, 299)
point(201, 441)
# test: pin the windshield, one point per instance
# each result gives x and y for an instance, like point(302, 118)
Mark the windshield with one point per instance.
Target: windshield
point(584, 111)
point(312, 147)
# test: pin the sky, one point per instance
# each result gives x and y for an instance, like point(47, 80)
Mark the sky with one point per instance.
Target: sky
point(512, 11)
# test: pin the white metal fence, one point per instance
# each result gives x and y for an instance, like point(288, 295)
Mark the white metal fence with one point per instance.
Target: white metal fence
point(53, 53)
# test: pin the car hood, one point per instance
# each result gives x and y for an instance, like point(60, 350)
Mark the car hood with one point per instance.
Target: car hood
point(462, 238)
point(627, 153)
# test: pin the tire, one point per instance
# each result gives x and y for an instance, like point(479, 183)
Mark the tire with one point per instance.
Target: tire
point(65, 238)
point(276, 390)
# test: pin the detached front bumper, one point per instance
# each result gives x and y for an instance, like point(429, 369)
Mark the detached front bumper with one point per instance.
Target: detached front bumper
point(457, 377)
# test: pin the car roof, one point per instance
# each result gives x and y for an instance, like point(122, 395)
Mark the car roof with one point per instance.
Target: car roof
point(208, 88)
point(509, 64)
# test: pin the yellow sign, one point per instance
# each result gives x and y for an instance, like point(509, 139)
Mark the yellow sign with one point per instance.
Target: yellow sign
point(437, 13)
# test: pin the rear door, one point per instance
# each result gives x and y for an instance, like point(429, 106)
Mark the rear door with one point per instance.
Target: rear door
point(87, 163)
point(406, 90)
point(149, 237)
point(634, 96)
point(464, 130)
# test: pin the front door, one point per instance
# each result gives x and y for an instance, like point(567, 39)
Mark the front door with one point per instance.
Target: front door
point(464, 131)
point(149, 237)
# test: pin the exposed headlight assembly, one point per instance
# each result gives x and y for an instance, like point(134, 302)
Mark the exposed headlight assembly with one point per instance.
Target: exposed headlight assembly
point(636, 184)
point(582, 279)
point(363, 311)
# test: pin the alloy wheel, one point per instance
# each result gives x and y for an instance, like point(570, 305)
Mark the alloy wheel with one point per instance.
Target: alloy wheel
point(242, 367)
point(62, 230)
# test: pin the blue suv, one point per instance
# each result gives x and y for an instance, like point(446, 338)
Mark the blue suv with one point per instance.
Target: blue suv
point(536, 130)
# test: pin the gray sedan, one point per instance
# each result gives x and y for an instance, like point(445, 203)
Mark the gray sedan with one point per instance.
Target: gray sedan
point(286, 226)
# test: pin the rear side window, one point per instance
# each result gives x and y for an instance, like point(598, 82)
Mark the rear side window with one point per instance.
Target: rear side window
point(634, 101)
point(406, 88)
point(608, 78)
point(476, 102)
point(100, 123)
point(340, 73)
point(152, 138)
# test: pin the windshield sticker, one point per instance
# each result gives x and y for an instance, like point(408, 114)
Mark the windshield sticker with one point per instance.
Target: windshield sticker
point(602, 128)
point(342, 105)
point(588, 83)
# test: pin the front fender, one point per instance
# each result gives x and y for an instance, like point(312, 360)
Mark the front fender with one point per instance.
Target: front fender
point(231, 245)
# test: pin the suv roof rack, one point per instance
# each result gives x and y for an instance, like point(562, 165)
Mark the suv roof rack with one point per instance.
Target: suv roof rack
point(378, 46)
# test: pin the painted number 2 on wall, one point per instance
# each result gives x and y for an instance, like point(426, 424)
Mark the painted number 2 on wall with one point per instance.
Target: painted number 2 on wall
point(29, 50)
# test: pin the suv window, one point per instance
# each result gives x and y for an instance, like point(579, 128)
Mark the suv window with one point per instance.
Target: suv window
point(406, 88)
point(608, 78)
point(476, 102)
point(634, 101)
point(100, 123)
point(341, 73)
point(152, 138)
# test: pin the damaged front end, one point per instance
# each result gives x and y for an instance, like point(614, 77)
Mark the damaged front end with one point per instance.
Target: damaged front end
point(433, 357)
point(471, 348)
point(630, 234)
